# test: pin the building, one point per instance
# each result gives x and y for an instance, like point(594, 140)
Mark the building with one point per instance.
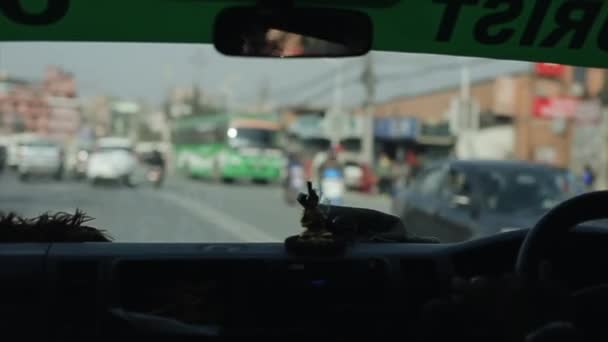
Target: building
point(50, 108)
point(538, 106)
point(64, 109)
point(22, 107)
point(97, 112)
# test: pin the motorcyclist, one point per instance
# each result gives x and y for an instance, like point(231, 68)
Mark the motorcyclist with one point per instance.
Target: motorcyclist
point(157, 160)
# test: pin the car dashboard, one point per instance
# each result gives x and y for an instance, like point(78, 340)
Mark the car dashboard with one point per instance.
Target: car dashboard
point(217, 291)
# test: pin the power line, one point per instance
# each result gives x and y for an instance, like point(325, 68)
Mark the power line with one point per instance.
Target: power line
point(322, 77)
point(448, 66)
point(398, 76)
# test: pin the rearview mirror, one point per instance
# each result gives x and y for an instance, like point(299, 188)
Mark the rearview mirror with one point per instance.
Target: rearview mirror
point(292, 32)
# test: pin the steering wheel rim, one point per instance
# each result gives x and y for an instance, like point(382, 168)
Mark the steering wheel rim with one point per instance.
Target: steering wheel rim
point(554, 225)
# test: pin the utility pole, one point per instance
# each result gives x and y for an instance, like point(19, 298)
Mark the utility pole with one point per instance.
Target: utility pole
point(368, 79)
point(464, 116)
point(335, 116)
point(167, 132)
point(465, 82)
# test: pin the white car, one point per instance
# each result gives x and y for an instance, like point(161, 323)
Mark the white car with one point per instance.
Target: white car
point(39, 158)
point(353, 173)
point(113, 159)
point(12, 143)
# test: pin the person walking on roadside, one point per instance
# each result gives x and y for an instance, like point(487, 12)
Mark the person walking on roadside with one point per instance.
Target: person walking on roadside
point(385, 174)
point(588, 177)
point(331, 178)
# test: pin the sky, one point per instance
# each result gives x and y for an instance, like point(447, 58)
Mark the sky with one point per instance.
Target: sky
point(147, 71)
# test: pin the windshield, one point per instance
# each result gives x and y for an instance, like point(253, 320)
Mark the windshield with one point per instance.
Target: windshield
point(252, 137)
point(226, 134)
point(503, 192)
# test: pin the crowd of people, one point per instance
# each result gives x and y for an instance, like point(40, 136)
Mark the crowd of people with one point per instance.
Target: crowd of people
point(387, 174)
point(326, 168)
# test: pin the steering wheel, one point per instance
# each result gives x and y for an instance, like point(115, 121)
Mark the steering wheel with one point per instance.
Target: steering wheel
point(554, 225)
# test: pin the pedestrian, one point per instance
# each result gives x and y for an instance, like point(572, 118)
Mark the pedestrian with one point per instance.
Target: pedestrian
point(413, 165)
point(400, 171)
point(385, 170)
point(294, 178)
point(331, 178)
point(588, 177)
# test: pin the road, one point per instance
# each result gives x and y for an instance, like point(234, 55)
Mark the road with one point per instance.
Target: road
point(182, 211)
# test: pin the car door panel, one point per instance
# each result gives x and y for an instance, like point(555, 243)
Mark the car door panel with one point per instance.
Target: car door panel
point(457, 220)
point(421, 203)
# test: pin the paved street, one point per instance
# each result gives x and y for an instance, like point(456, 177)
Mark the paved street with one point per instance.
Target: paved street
point(182, 211)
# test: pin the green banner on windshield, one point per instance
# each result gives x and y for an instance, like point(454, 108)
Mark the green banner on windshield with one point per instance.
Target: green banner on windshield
point(561, 31)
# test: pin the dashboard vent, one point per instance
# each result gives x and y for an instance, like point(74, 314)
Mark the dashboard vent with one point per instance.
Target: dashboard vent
point(77, 298)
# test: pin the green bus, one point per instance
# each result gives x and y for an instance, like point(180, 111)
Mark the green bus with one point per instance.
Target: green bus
point(229, 147)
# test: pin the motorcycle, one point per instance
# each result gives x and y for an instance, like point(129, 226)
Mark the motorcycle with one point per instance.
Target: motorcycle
point(155, 176)
point(294, 184)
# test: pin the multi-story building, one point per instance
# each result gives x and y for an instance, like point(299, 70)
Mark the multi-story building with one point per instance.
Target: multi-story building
point(537, 106)
point(50, 108)
point(59, 91)
point(22, 107)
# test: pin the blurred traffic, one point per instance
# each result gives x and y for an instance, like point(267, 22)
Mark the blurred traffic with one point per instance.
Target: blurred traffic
point(455, 149)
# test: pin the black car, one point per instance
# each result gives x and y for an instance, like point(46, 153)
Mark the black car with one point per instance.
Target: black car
point(457, 200)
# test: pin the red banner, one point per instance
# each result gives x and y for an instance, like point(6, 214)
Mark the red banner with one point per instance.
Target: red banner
point(549, 69)
point(554, 107)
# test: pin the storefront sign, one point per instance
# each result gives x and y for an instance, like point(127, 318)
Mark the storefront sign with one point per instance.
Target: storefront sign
point(395, 128)
point(549, 69)
point(554, 107)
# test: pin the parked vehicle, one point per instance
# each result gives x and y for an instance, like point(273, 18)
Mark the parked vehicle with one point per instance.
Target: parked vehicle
point(112, 160)
point(12, 143)
point(39, 158)
point(459, 200)
point(353, 175)
point(368, 179)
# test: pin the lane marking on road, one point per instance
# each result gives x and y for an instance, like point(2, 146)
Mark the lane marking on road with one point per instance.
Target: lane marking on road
point(239, 229)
